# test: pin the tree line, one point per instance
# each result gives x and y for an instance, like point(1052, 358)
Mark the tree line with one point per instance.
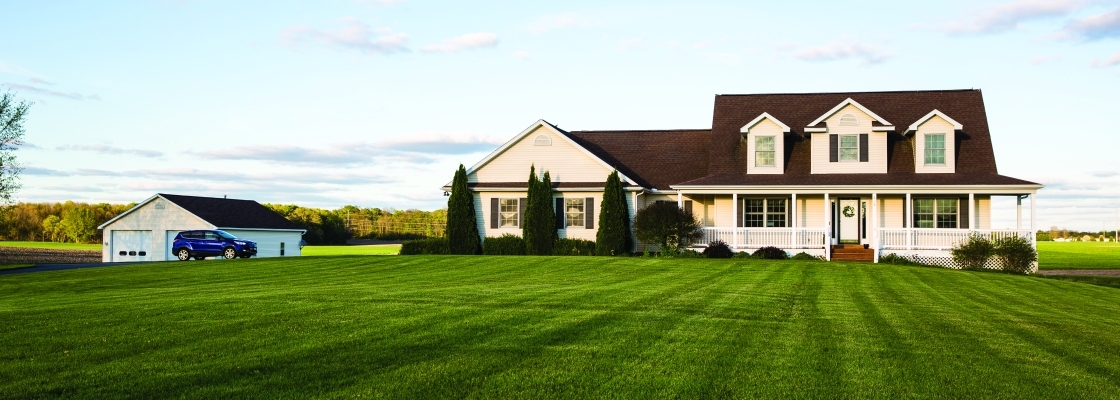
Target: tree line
point(75, 222)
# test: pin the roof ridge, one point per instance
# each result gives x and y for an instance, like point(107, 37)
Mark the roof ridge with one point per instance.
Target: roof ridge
point(645, 130)
point(867, 92)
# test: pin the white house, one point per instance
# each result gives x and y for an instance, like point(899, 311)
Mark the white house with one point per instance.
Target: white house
point(841, 175)
point(146, 232)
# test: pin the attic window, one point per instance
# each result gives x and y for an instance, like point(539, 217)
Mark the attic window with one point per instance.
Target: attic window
point(159, 205)
point(542, 140)
point(849, 120)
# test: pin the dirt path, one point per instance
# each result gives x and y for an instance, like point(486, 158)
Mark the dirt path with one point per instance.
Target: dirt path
point(1081, 272)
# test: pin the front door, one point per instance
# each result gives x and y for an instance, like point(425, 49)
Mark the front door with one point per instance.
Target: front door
point(848, 219)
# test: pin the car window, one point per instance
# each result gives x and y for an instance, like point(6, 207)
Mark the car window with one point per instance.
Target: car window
point(210, 236)
point(226, 235)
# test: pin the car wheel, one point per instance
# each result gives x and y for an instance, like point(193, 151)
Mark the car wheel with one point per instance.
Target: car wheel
point(229, 253)
point(183, 254)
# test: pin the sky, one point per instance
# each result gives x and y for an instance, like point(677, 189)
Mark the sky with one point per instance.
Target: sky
point(375, 103)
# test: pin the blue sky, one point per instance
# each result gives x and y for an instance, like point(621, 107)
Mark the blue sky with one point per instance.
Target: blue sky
point(374, 103)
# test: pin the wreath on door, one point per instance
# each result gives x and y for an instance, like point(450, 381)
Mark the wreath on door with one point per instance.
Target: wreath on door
point(849, 211)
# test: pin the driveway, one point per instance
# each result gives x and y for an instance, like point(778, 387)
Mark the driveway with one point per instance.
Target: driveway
point(57, 267)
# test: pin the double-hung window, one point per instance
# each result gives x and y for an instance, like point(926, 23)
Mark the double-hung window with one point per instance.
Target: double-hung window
point(764, 151)
point(758, 213)
point(935, 149)
point(509, 211)
point(573, 212)
point(849, 148)
point(935, 213)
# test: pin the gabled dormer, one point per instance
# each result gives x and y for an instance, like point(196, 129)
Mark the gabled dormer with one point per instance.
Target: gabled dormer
point(765, 136)
point(849, 139)
point(934, 137)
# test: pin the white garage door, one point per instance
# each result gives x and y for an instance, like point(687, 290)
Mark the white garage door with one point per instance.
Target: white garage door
point(168, 252)
point(131, 246)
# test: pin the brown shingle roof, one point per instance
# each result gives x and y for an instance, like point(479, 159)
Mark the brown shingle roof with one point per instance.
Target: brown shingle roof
point(653, 159)
point(231, 213)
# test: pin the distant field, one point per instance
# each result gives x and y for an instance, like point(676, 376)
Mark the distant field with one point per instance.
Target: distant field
point(1078, 255)
point(370, 250)
point(53, 245)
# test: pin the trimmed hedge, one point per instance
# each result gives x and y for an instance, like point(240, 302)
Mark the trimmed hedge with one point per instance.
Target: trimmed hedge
point(573, 247)
point(803, 256)
point(505, 245)
point(718, 249)
point(425, 246)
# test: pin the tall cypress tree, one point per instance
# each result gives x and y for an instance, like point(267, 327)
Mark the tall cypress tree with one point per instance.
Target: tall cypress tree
point(613, 236)
point(462, 224)
point(540, 223)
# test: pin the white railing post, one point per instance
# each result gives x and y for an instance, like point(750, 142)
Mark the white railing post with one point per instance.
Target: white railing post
point(680, 200)
point(1018, 212)
point(875, 226)
point(793, 224)
point(909, 222)
point(735, 220)
point(827, 228)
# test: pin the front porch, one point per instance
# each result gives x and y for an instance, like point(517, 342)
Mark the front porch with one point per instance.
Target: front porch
point(923, 225)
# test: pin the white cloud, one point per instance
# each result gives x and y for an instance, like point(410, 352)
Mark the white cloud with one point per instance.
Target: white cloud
point(521, 55)
point(566, 20)
point(354, 35)
point(415, 149)
point(1007, 16)
point(17, 70)
point(468, 41)
point(1100, 26)
point(40, 81)
point(1109, 62)
point(841, 51)
point(55, 93)
point(103, 149)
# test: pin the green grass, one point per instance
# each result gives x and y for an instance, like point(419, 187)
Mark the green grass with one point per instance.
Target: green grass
point(382, 250)
point(1078, 255)
point(549, 327)
point(53, 245)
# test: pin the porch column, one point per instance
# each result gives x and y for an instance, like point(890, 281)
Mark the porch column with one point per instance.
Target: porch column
point(1034, 237)
point(680, 200)
point(875, 225)
point(1018, 212)
point(909, 223)
point(827, 229)
point(793, 224)
point(735, 220)
point(971, 212)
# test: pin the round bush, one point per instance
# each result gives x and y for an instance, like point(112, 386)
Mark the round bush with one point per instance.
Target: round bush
point(770, 253)
point(718, 249)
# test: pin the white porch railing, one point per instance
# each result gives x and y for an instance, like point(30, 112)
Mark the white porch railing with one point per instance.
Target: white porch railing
point(783, 238)
point(938, 239)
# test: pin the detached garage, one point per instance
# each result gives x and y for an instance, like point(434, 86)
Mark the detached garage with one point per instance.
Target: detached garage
point(146, 232)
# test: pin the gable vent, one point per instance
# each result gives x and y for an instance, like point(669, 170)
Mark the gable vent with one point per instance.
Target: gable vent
point(542, 140)
point(849, 120)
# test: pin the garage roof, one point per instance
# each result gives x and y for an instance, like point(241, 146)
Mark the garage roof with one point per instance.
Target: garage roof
point(223, 213)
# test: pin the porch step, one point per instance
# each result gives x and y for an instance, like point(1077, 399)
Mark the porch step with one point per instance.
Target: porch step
point(852, 252)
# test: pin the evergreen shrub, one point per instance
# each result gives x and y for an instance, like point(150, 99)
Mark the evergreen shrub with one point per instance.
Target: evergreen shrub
point(1017, 254)
point(613, 236)
point(803, 256)
point(666, 225)
point(505, 245)
point(425, 246)
point(973, 252)
point(462, 225)
point(718, 249)
point(742, 255)
point(895, 259)
point(770, 253)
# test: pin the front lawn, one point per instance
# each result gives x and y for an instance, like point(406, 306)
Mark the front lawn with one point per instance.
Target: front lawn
point(1078, 255)
point(53, 245)
point(551, 327)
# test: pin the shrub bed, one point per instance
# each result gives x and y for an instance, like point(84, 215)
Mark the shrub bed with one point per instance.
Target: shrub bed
point(770, 253)
point(573, 247)
point(718, 249)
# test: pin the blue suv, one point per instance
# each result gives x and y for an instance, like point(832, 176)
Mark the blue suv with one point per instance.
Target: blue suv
point(202, 244)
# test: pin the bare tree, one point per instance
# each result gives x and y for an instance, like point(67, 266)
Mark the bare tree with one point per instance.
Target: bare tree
point(12, 115)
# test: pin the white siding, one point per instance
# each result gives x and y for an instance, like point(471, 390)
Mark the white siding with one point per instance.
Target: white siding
point(723, 214)
point(877, 146)
point(482, 209)
point(934, 125)
point(151, 218)
point(810, 210)
point(983, 212)
point(703, 208)
point(268, 242)
point(482, 213)
point(891, 213)
point(766, 127)
point(564, 161)
point(581, 232)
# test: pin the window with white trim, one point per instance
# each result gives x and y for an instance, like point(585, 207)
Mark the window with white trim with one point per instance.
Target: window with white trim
point(573, 212)
point(849, 148)
point(508, 213)
point(935, 213)
point(759, 213)
point(935, 149)
point(764, 151)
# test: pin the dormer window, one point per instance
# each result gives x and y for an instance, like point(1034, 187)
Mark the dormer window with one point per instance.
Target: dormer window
point(542, 140)
point(849, 148)
point(849, 120)
point(935, 149)
point(764, 151)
